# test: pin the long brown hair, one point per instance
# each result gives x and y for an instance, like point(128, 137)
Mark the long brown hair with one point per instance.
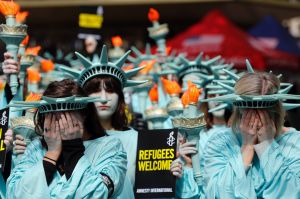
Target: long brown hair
point(66, 88)
point(112, 85)
point(259, 84)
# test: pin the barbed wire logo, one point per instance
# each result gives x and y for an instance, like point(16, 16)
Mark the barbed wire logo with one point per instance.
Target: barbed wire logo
point(3, 119)
point(171, 139)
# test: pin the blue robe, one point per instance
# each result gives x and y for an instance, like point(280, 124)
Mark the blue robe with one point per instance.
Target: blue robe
point(197, 191)
point(2, 187)
point(129, 140)
point(275, 170)
point(102, 155)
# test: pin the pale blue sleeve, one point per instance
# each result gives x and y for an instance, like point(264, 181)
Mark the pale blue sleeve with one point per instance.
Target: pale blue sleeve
point(186, 186)
point(2, 186)
point(224, 173)
point(86, 181)
point(27, 179)
point(280, 167)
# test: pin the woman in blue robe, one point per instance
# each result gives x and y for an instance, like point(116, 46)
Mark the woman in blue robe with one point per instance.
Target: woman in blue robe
point(258, 157)
point(75, 158)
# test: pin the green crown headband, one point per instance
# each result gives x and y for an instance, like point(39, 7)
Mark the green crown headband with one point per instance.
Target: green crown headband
point(103, 67)
point(250, 101)
point(195, 66)
point(49, 104)
point(139, 56)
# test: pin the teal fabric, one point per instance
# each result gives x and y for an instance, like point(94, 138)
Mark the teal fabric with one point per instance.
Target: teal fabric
point(2, 187)
point(275, 175)
point(103, 155)
point(186, 187)
point(194, 190)
point(129, 142)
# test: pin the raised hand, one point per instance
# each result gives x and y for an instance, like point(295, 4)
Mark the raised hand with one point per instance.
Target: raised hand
point(248, 127)
point(176, 168)
point(20, 145)
point(268, 130)
point(8, 139)
point(52, 136)
point(9, 65)
point(185, 152)
point(70, 126)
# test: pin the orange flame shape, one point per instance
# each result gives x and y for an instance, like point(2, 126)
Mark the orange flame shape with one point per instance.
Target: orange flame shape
point(25, 41)
point(171, 87)
point(148, 66)
point(185, 99)
point(2, 85)
point(153, 15)
point(9, 8)
point(47, 65)
point(153, 93)
point(128, 67)
point(117, 41)
point(21, 16)
point(168, 50)
point(33, 50)
point(193, 93)
point(33, 97)
point(33, 75)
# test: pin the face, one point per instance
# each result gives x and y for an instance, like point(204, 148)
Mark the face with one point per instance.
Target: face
point(189, 77)
point(219, 113)
point(90, 44)
point(106, 109)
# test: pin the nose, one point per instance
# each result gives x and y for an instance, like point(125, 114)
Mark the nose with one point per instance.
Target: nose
point(103, 96)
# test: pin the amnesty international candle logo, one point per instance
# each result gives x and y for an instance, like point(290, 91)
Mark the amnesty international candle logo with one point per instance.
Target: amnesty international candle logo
point(155, 152)
point(3, 119)
point(4, 113)
point(171, 139)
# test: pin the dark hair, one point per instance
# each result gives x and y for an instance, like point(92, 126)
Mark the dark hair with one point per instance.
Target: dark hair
point(66, 88)
point(119, 118)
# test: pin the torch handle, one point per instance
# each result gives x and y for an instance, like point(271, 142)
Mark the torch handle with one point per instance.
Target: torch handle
point(13, 78)
point(158, 125)
point(143, 95)
point(195, 158)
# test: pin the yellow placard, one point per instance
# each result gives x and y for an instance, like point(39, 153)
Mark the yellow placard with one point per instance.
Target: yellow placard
point(87, 20)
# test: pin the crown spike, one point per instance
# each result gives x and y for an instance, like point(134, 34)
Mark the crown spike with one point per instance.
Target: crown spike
point(289, 106)
point(103, 56)
point(183, 60)
point(136, 51)
point(122, 60)
point(220, 107)
point(219, 91)
point(134, 71)
point(198, 60)
point(279, 76)
point(227, 87)
point(249, 67)
point(70, 71)
point(212, 61)
point(231, 74)
point(148, 49)
point(85, 62)
point(285, 90)
point(130, 83)
point(287, 97)
point(219, 67)
point(228, 97)
point(48, 55)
